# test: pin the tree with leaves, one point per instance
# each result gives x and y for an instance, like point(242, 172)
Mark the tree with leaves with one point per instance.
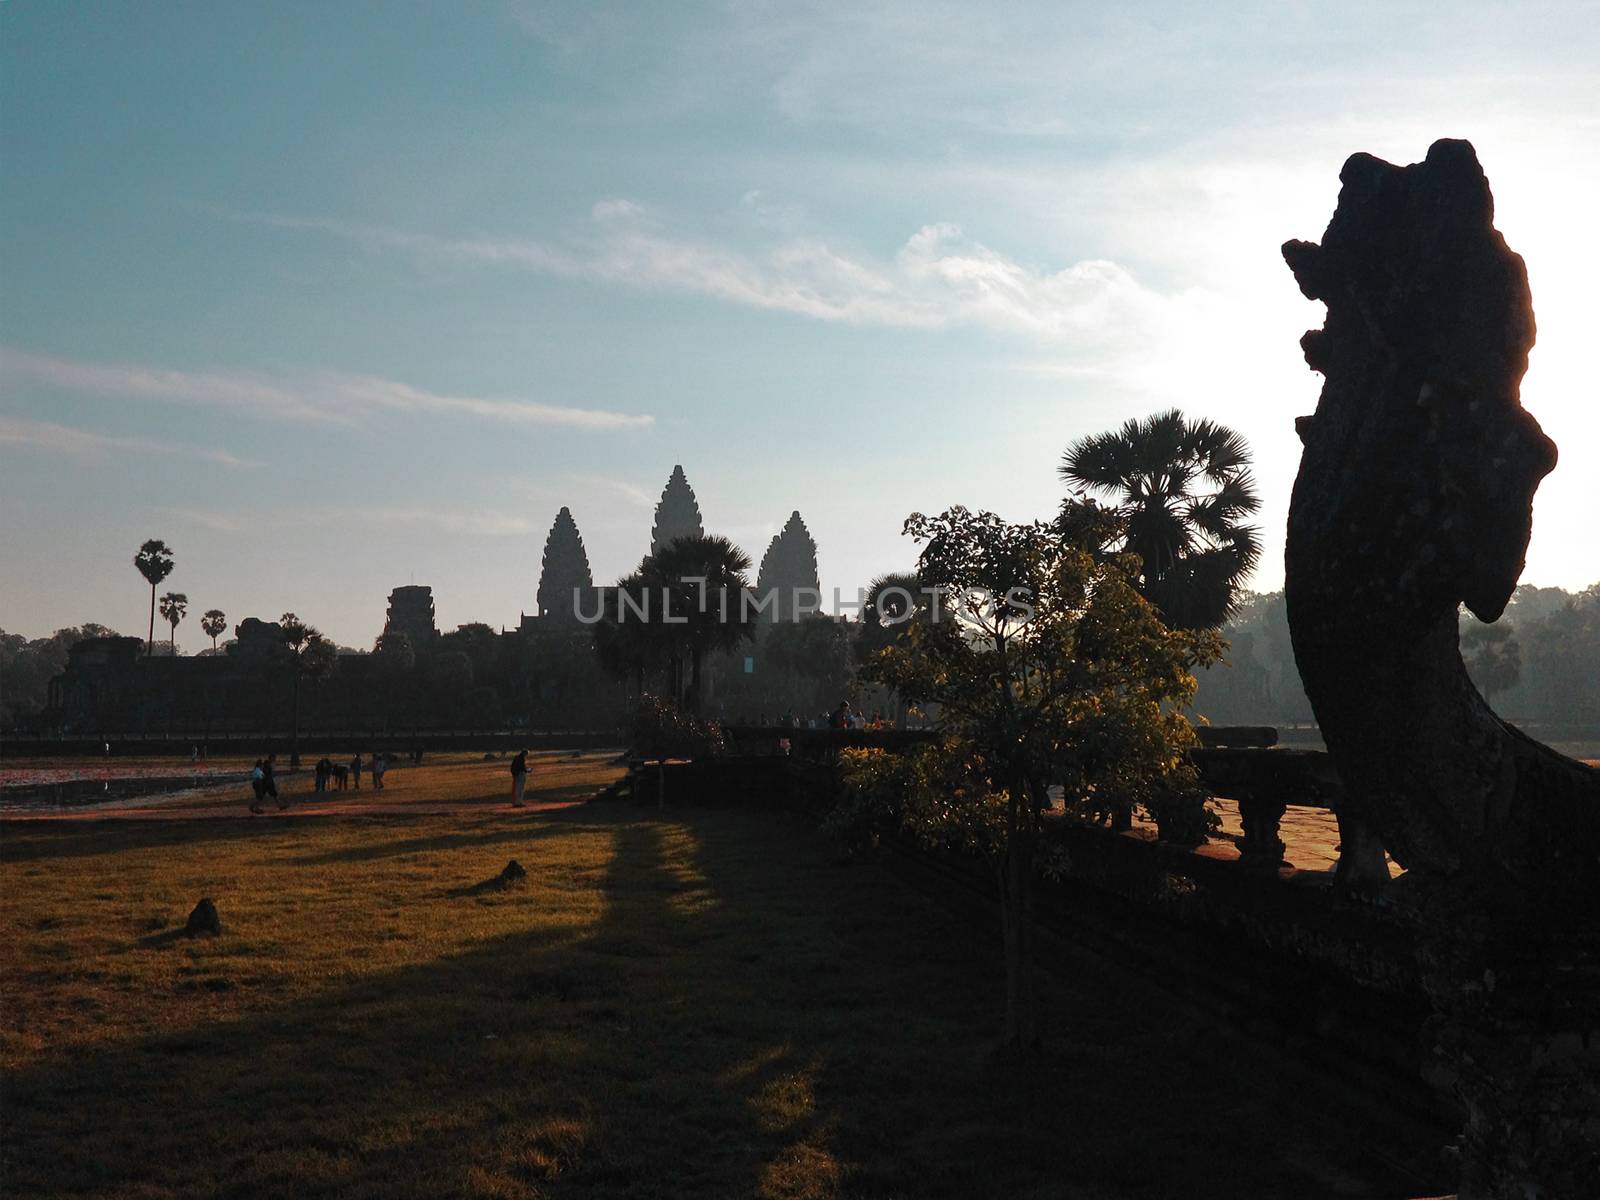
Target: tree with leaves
point(1492, 655)
point(1048, 667)
point(174, 607)
point(313, 658)
point(213, 624)
point(154, 561)
point(1182, 490)
point(892, 602)
point(698, 585)
point(625, 643)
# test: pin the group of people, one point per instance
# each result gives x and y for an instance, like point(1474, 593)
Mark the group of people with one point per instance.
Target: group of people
point(264, 782)
point(846, 716)
point(330, 774)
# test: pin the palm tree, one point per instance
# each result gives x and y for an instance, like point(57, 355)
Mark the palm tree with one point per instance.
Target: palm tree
point(703, 578)
point(312, 657)
point(626, 646)
point(893, 602)
point(1182, 490)
point(154, 561)
point(212, 625)
point(174, 607)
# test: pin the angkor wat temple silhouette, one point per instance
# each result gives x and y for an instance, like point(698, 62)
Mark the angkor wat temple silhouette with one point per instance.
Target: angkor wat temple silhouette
point(110, 683)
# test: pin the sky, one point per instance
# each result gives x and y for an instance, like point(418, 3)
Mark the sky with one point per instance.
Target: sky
point(336, 297)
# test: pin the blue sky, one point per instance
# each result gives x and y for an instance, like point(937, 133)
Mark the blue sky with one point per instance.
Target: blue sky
point(335, 297)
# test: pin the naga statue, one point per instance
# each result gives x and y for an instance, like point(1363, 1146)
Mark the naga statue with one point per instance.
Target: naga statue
point(1414, 497)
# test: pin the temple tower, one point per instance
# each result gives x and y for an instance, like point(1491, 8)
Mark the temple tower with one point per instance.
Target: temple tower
point(789, 565)
point(678, 515)
point(411, 613)
point(565, 568)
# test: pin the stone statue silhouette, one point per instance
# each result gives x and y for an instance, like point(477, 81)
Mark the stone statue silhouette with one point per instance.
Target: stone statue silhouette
point(1415, 496)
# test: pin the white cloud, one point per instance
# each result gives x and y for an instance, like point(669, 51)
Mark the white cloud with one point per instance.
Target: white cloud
point(466, 522)
point(47, 435)
point(634, 495)
point(938, 278)
point(326, 398)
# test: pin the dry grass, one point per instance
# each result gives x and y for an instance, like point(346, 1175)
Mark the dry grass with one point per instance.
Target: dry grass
point(692, 1005)
point(443, 783)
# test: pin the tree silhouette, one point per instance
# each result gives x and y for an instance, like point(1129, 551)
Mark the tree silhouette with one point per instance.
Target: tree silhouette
point(1181, 490)
point(154, 562)
point(1493, 657)
point(1080, 685)
point(174, 607)
point(702, 581)
point(212, 624)
point(313, 658)
point(626, 645)
point(893, 602)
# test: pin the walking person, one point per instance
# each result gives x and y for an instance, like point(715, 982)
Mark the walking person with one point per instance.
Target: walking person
point(519, 779)
point(269, 783)
point(379, 765)
point(258, 776)
point(355, 770)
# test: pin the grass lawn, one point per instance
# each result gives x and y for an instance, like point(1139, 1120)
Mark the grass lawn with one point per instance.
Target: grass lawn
point(691, 1004)
point(452, 782)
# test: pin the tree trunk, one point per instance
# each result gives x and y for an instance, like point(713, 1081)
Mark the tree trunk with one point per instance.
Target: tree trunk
point(1016, 924)
point(695, 656)
point(294, 723)
point(150, 638)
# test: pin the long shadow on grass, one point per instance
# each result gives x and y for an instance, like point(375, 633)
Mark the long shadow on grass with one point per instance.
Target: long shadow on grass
point(745, 1016)
point(424, 845)
point(536, 1058)
point(43, 840)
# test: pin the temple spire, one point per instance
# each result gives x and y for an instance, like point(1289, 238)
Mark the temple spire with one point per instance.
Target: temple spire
point(565, 567)
point(678, 515)
point(789, 565)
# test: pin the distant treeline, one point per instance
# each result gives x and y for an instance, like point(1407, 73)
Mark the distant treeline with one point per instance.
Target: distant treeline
point(548, 677)
point(1539, 663)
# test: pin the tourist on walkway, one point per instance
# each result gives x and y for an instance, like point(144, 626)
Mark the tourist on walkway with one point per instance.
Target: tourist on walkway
point(355, 771)
point(379, 765)
point(258, 784)
point(519, 779)
point(269, 784)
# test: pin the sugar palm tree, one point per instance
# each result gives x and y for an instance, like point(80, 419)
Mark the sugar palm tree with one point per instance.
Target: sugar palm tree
point(624, 642)
point(893, 602)
point(1182, 491)
point(312, 657)
point(212, 625)
point(174, 607)
point(154, 562)
point(704, 578)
